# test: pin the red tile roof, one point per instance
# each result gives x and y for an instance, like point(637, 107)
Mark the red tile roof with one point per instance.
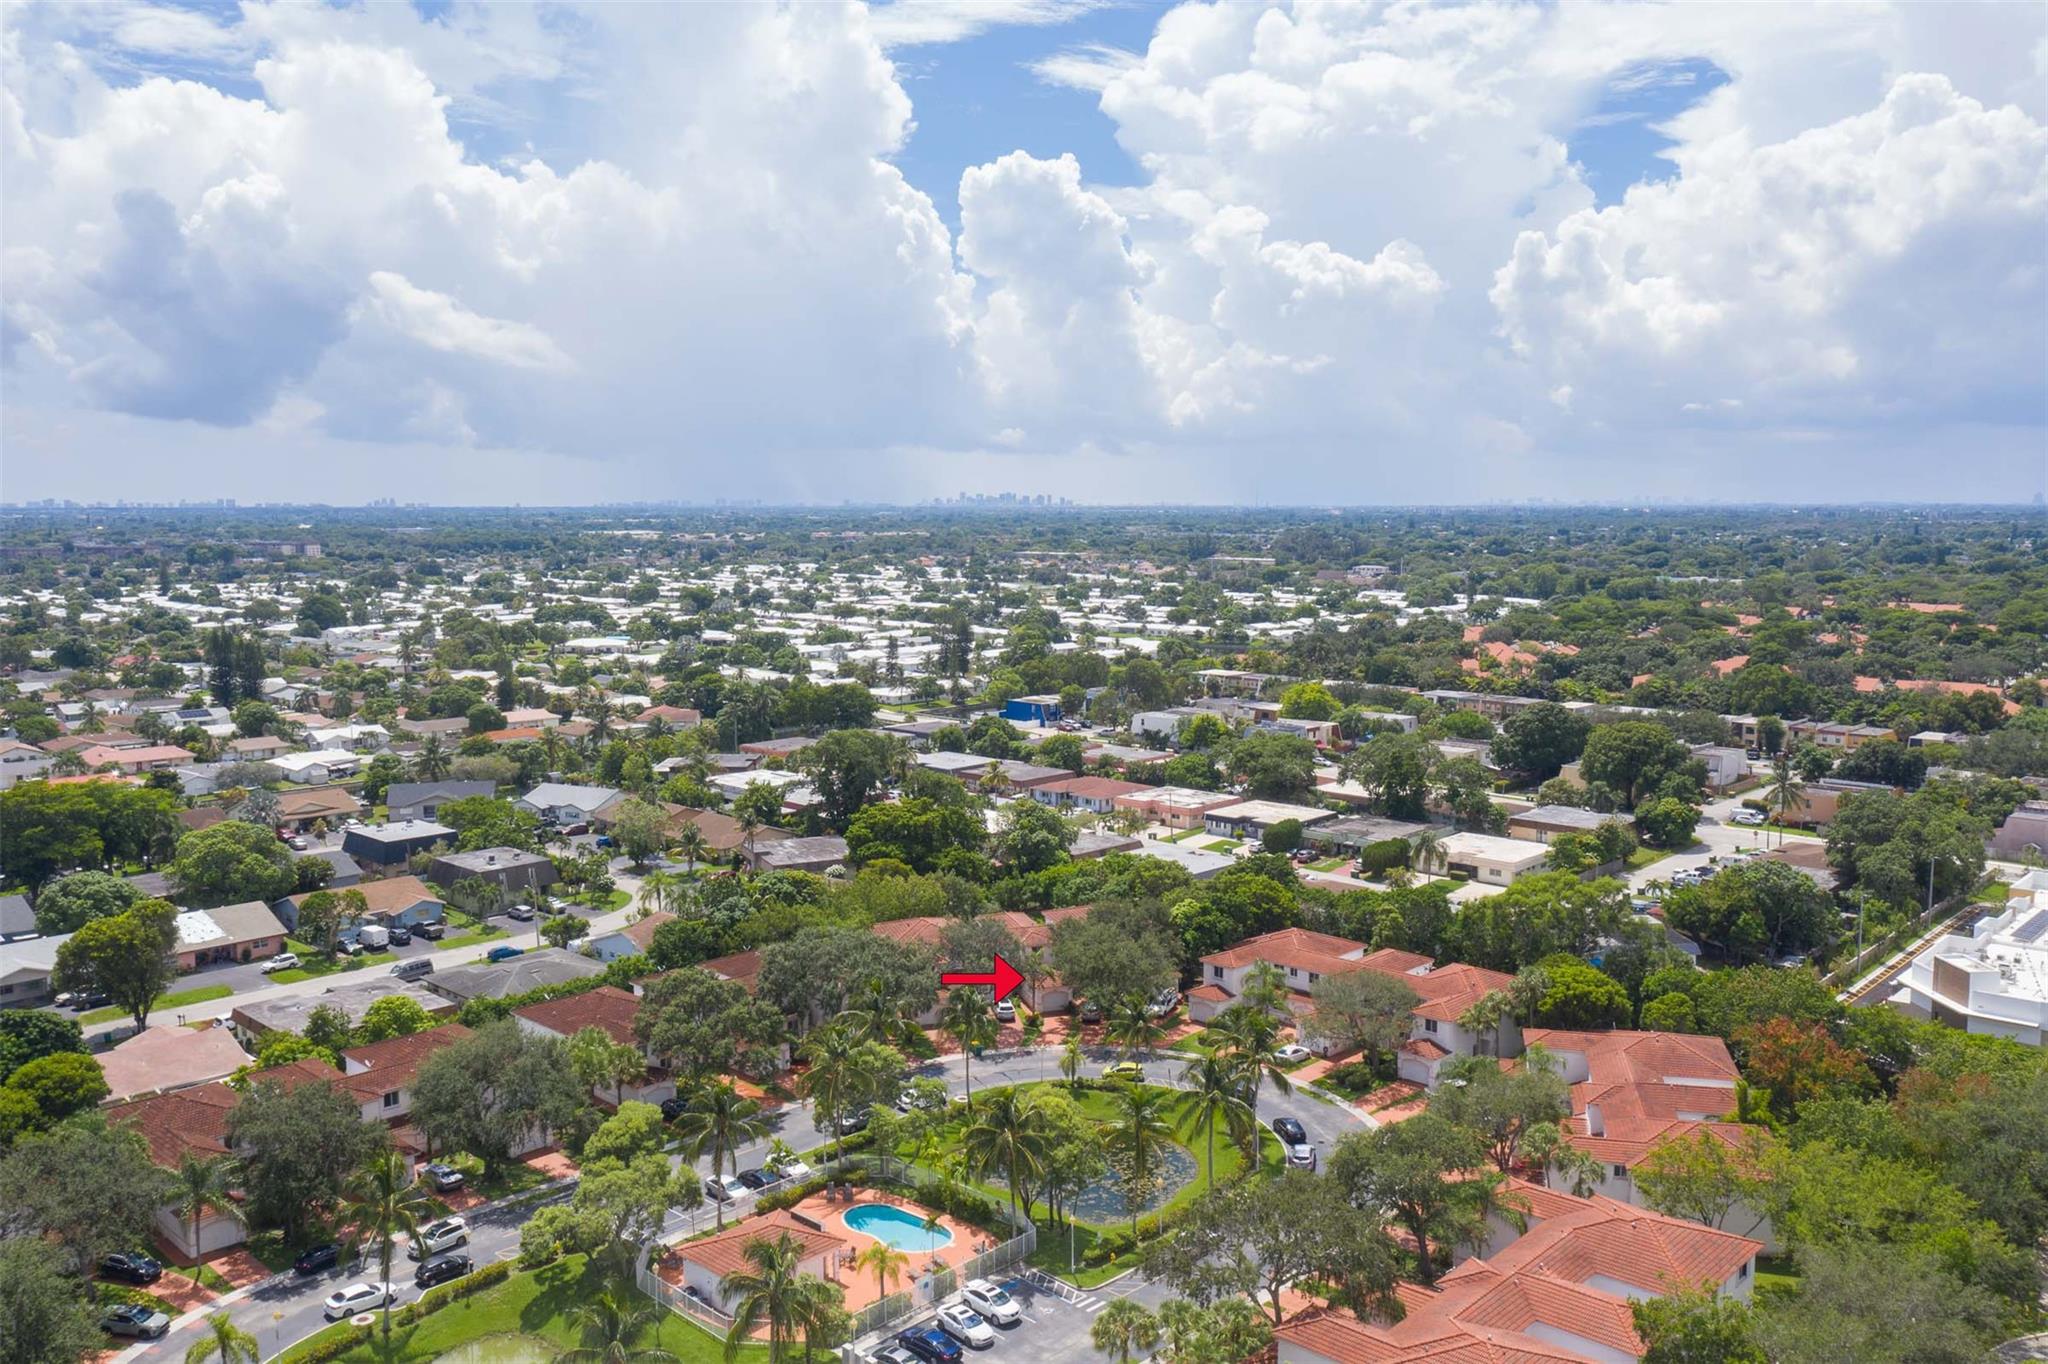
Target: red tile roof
point(606, 1007)
point(727, 1251)
point(394, 1061)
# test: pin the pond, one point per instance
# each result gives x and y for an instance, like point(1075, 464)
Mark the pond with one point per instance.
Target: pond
point(1102, 1202)
point(507, 1349)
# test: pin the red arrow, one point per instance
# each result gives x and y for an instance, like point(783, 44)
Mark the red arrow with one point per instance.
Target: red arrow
point(1005, 977)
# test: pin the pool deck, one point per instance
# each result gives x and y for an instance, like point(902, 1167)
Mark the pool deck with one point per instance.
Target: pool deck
point(859, 1285)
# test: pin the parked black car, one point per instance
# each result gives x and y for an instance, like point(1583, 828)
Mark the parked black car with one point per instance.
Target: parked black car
point(126, 1268)
point(433, 930)
point(441, 1269)
point(1290, 1131)
point(758, 1178)
point(400, 935)
point(313, 1259)
point(671, 1109)
point(930, 1343)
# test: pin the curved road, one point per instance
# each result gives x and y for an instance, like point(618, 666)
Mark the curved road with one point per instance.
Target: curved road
point(285, 1308)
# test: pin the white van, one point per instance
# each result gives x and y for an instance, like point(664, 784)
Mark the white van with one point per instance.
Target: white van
point(374, 936)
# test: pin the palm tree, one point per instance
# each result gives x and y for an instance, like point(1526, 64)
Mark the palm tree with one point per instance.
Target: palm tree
point(885, 1262)
point(607, 1324)
point(774, 1291)
point(658, 889)
point(876, 1013)
point(200, 1187)
point(1429, 855)
point(1215, 1089)
point(720, 1120)
point(967, 1020)
point(224, 1341)
point(1132, 1028)
point(1787, 792)
point(431, 762)
point(1251, 1043)
point(1071, 1057)
point(693, 845)
point(1265, 988)
point(1007, 1138)
point(750, 824)
point(385, 1205)
point(1140, 1132)
point(840, 1075)
point(1124, 1328)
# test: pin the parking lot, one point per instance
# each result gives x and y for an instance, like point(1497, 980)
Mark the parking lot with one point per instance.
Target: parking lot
point(1053, 1327)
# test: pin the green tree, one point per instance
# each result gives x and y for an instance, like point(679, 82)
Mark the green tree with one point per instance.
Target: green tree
point(43, 1318)
point(296, 1150)
point(230, 863)
point(1535, 741)
point(1498, 1105)
point(606, 1327)
point(88, 1188)
point(970, 1021)
point(486, 1092)
point(1216, 1095)
point(700, 1025)
point(641, 829)
point(1124, 1328)
point(1707, 1179)
point(59, 1085)
point(29, 1034)
point(773, 1292)
point(1756, 911)
point(1576, 995)
point(1138, 1131)
point(1034, 837)
point(203, 1185)
point(1274, 766)
point(1394, 769)
point(1309, 701)
point(846, 1074)
point(1667, 822)
point(1633, 757)
point(1419, 1172)
point(392, 1016)
point(70, 902)
point(1005, 1138)
point(384, 1206)
point(1696, 1327)
point(849, 767)
point(600, 1063)
point(1877, 1306)
point(1363, 1009)
point(718, 1120)
point(126, 957)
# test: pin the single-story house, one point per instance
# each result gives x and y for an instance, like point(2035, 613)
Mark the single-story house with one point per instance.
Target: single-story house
point(778, 748)
point(20, 761)
point(135, 760)
point(405, 800)
point(1100, 843)
point(261, 748)
point(513, 976)
point(257, 1019)
point(2025, 831)
point(1199, 863)
point(628, 940)
point(317, 768)
point(1177, 807)
point(1096, 795)
point(707, 1263)
point(164, 1057)
point(1251, 818)
point(566, 804)
point(384, 846)
point(1490, 859)
point(1353, 832)
point(797, 854)
point(299, 811)
point(400, 900)
point(1542, 823)
point(513, 872)
point(231, 933)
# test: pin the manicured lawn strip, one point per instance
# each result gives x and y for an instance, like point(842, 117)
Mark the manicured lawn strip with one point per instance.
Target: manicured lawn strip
point(1643, 857)
point(1328, 864)
point(1777, 1273)
point(534, 1304)
point(312, 965)
point(469, 939)
point(174, 1001)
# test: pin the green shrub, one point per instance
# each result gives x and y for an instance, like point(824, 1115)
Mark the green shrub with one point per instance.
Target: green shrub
point(335, 1346)
point(1383, 856)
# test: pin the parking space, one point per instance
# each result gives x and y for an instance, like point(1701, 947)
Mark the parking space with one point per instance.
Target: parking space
point(1055, 1323)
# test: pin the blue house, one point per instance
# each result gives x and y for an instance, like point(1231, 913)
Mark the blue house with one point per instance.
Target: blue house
point(1032, 710)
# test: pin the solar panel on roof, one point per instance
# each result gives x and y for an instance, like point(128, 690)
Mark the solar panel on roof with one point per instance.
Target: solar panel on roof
point(2034, 927)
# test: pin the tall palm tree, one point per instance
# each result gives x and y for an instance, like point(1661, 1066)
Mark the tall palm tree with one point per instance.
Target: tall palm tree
point(1007, 1137)
point(693, 845)
point(1265, 988)
point(431, 762)
point(1139, 1130)
point(1251, 1044)
point(1071, 1057)
point(385, 1204)
point(607, 1324)
point(773, 1291)
point(658, 889)
point(720, 1120)
point(226, 1342)
point(200, 1187)
point(1132, 1028)
point(1429, 856)
point(885, 1262)
point(1215, 1090)
point(750, 824)
point(1124, 1328)
point(967, 1020)
point(839, 1076)
point(1787, 792)
point(877, 1013)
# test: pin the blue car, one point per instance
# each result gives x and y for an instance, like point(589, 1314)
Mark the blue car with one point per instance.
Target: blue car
point(931, 1344)
point(504, 953)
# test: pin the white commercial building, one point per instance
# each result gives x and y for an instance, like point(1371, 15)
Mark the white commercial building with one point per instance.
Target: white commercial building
point(1993, 979)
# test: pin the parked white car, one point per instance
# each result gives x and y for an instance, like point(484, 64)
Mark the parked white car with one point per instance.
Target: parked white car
point(357, 1297)
point(992, 1302)
point(436, 1237)
point(283, 961)
point(965, 1325)
point(791, 1168)
point(1292, 1052)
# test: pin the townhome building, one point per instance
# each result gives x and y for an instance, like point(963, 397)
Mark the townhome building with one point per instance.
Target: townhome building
point(611, 1011)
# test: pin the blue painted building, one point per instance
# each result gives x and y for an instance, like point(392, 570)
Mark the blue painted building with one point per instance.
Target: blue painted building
point(1032, 710)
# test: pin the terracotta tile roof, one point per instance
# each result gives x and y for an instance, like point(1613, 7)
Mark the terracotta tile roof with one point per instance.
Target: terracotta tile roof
point(1289, 947)
point(394, 1061)
point(1626, 1055)
point(1214, 994)
point(727, 1251)
point(321, 800)
point(388, 895)
point(1637, 1095)
point(1093, 788)
point(195, 1121)
point(744, 967)
point(1448, 991)
point(606, 1007)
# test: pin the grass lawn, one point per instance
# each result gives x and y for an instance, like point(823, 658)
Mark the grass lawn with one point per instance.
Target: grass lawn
point(1643, 857)
point(618, 899)
point(1184, 835)
point(173, 1001)
point(1100, 1106)
point(1996, 893)
point(530, 1309)
point(470, 938)
point(1329, 864)
point(1776, 1273)
point(1222, 845)
point(312, 965)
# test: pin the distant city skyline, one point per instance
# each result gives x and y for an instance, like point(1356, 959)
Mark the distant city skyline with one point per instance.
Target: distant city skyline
point(1129, 254)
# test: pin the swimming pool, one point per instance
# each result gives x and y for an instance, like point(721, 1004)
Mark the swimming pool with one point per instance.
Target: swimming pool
point(900, 1228)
